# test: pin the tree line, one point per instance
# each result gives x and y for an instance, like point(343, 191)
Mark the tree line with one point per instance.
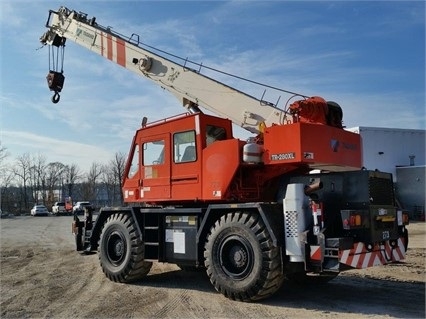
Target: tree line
point(31, 180)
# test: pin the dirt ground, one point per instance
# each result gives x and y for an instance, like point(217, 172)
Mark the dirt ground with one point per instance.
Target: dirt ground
point(43, 277)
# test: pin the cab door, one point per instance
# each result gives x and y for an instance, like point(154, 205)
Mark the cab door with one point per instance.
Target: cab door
point(186, 166)
point(155, 168)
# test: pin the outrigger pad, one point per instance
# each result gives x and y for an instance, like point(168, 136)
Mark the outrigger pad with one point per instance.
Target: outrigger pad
point(55, 81)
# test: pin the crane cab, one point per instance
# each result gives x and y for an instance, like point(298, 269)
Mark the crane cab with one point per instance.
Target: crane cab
point(165, 162)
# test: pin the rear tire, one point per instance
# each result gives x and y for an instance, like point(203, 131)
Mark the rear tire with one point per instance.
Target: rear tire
point(121, 249)
point(240, 258)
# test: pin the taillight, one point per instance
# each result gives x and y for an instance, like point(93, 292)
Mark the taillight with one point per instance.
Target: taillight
point(352, 219)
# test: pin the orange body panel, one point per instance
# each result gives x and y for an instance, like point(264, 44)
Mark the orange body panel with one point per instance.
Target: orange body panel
point(216, 171)
point(319, 146)
point(186, 180)
point(220, 163)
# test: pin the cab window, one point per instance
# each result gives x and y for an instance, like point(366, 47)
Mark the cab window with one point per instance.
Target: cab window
point(184, 147)
point(214, 133)
point(134, 165)
point(153, 153)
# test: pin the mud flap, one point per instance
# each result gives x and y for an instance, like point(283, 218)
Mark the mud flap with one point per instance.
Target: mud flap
point(317, 253)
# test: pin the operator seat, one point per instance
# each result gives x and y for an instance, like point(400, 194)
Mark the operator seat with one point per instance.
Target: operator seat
point(189, 154)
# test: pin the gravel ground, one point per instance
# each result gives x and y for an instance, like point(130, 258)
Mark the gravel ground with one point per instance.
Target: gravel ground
point(43, 277)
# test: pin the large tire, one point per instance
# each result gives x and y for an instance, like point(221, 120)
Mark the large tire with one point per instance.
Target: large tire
point(121, 249)
point(240, 258)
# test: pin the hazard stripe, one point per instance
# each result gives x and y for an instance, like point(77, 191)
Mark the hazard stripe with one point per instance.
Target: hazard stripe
point(388, 249)
point(401, 245)
point(401, 248)
point(396, 256)
point(383, 253)
point(109, 47)
point(344, 256)
point(121, 52)
point(398, 252)
point(356, 256)
point(367, 260)
point(376, 261)
point(316, 253)
point(359, 257)
point(115, 49)
point(362, 259)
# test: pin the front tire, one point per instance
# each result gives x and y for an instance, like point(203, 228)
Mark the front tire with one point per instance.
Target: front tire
point(121, 249)
point(240, 258)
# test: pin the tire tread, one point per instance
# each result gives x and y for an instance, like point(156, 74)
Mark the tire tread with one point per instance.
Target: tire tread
point(271, 276)
point(136, 267)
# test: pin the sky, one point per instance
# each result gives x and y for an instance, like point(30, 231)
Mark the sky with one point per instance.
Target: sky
point(368, 56)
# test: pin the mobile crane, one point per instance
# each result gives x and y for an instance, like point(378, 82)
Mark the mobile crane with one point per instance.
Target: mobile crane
point(251, 213)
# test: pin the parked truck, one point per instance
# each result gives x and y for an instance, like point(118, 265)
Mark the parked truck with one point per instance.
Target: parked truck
point(251, 213)
point(59, 208)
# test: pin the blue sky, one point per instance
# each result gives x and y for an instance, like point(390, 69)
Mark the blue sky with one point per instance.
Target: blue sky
point(369, 56)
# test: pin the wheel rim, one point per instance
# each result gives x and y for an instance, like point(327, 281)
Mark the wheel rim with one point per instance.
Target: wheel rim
point(236, 257)
point(116, 248)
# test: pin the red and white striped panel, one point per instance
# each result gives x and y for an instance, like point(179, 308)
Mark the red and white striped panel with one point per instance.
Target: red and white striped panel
point(316, 254)
point(113, 49)
point(359, 257)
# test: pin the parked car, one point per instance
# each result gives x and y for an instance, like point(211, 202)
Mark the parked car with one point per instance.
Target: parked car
point(39, 210)
point(59, 208)
point(79, 207)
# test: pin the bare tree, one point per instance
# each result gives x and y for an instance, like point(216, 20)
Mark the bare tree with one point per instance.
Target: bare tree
point(38, 177)
point(108, 182)
point(89, 188)
point(5, 175)
point(72, 175)
point(6, 195)
point(54, 172)
point(38, 182)
point(113, 177)
point(3, 155)
point(22, 172)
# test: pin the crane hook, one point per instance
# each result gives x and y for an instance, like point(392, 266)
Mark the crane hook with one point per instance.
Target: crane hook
point(56, 97)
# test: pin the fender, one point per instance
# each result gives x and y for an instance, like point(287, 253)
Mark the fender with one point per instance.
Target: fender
point(270, 213)
point(104, 213)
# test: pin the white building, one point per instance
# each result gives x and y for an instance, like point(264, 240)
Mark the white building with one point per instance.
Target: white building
point(386, 149)
point(401, 152)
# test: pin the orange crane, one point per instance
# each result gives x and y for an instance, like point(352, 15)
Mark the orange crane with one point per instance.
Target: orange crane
point(251, 213)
